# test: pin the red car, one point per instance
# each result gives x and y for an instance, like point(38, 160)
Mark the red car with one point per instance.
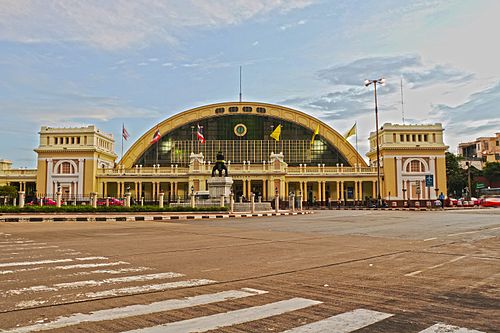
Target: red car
point(112, 202)
point(46, 202)
point(493, 201)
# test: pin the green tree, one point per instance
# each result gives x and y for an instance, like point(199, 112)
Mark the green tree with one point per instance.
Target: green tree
point(491, 172)
point(456, 177)
point(8, 193)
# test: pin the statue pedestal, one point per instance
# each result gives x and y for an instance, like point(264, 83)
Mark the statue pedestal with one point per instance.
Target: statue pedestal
point(218, 186)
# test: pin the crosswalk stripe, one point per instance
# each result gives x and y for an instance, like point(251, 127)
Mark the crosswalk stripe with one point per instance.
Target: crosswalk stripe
point(105, 264)
point(149, 287)
point(343, 323)
point(51, 261)
point(94, 283)
point(443, 328)
point(116, 292)
point(137, 310)
point(207, 323)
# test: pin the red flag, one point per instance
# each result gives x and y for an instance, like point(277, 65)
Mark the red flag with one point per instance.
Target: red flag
point(199, 134)
point(156, 137)
point(125, 133)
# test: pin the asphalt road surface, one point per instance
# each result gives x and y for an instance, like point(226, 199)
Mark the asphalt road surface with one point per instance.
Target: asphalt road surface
point(332, 271)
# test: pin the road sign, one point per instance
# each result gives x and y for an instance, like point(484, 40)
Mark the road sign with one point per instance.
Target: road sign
point(429, 180)
point(480, 186)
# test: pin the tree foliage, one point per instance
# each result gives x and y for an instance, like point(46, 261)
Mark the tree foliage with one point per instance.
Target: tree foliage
point(8, 191)
point(491, 172)
point(456, 177)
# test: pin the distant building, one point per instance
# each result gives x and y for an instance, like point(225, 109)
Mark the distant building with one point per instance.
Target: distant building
point(483, 149)
point(410, 155)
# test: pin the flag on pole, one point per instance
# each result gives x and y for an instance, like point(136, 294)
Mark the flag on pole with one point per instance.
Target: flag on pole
point(351, 132)
point(199, 134)
point(316, 132)
point(156, 136)
point(276, 133)
point(125, 134)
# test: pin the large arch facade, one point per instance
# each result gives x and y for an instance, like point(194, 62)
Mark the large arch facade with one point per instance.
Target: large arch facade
point(329, 146)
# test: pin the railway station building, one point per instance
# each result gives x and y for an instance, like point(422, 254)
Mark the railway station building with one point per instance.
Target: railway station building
point(309, 157)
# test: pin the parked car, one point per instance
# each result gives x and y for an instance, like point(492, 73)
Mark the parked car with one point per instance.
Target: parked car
point(112, 202)
point(46, 202)
point(493, 201)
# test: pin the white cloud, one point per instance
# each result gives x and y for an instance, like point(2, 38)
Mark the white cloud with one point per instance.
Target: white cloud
point(117, 24)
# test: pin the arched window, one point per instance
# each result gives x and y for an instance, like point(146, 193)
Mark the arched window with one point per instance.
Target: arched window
point(415, 166)
point(65, 168)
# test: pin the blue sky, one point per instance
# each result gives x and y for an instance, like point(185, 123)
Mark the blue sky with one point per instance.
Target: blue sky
point(80, 62)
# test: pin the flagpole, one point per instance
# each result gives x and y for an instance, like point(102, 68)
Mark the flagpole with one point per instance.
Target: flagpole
point(357, 158)
point(123, 126)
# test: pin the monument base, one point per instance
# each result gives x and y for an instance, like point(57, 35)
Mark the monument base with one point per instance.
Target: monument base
point(218, 186)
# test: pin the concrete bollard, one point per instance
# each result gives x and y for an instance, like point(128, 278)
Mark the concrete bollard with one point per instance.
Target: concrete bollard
point(160, 200)
point(193, 201)
point(107, 202)
point(231, 202)
point(222, 203)
point(299, 199)
point(127, 199)
point(142, 201)
point(292, 202)
point(21, 199)
point(58, 199)
point(277, 203)
point(93, 199)
point(252, 203)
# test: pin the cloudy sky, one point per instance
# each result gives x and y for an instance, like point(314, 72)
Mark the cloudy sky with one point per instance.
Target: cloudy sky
point(80, 62)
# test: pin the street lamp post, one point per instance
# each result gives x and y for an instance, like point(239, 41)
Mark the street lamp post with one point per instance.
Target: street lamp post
point(367, 83)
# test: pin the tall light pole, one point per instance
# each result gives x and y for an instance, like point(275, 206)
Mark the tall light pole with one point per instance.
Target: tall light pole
point(367, 83)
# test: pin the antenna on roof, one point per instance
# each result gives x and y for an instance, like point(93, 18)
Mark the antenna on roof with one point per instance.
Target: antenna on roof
point(402, 103)
point(240, 84)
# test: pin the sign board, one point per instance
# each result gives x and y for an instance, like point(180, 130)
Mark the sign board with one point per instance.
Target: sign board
point(429, 180)
point(480, 186)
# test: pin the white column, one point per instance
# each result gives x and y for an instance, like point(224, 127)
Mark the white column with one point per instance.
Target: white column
point(399, 180)
point(50, 166)
point(80, 177)
point(432, 170)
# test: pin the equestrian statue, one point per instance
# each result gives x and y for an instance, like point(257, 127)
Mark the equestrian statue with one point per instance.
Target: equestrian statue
point(219, 165)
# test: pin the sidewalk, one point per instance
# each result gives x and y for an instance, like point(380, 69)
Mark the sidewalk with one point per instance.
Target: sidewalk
point(131, 217)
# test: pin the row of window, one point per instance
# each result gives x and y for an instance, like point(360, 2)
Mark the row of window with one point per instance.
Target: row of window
point(233, 109)
point(67, 140)
point(414, 137)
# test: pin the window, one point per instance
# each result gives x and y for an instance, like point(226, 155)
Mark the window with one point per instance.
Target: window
point(233, 109)
point(247, 109)
point(78, 140)
point(394, 137)
point(498, 143)
point(407, 137)
point(65, 168)
point(261, 110)
point(420, 137)
point(401, 138)
point(219, 110)
point(426, 138)
point(415, 166)
point(413, 137)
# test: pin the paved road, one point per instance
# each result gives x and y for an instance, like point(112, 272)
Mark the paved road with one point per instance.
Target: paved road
point(334, 271)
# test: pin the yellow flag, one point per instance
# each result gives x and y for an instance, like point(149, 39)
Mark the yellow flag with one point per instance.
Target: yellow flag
point(351, 132)
point(276, 133)
point(316, 131)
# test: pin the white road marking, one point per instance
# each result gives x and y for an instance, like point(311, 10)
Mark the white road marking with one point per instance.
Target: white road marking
point(41, 262)
point(112, 271)
point(33, 248)
point(137, 310)
point(11, 245)
point(211, 270)
point(208, 323)
point(429, 239)
point(29, 263)
point(104, 264)
point(94, 283)
point(436, 266)
point(150, 287)
point(18, 242)
point(443, 328)
point(343, 323)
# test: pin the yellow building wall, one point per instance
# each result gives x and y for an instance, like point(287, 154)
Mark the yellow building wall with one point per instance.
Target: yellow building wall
point(389, 182)
point(89, 177)
point(41, 176)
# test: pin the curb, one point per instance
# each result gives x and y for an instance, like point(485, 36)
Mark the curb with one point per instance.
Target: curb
point(135, 218)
